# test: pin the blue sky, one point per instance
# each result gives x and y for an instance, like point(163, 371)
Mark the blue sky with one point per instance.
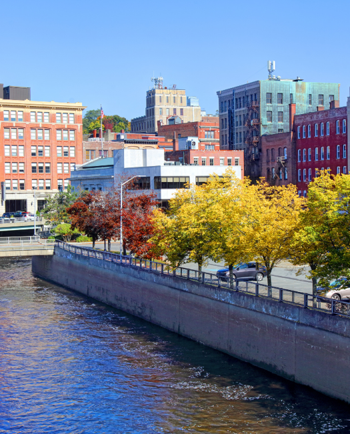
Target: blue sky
point(106, 52)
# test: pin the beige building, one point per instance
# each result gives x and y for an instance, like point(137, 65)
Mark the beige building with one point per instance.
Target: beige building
point(167, 106)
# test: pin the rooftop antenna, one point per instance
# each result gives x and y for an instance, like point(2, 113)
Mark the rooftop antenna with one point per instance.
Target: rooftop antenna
point(158, 82)
point(271, 66)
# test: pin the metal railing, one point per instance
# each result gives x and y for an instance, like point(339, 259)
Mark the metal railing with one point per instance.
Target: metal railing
point(256, 289)
point(15, 242)
point(4, 220)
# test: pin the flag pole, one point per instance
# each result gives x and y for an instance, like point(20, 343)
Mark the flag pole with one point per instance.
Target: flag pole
point(101, 133)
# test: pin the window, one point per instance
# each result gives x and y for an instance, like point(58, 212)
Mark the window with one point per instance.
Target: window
point(338, 152)
point(338, 170)
point(20, 116)
point(304, 154)
point(60, 184)
point(13, 116)
point(327, 129)
point(47, 168)
point(34, 168)
point(7, 150)
point(39, 117)
point(6, 133)
point(298, 132)
point(65, 134)
point(48, 184)
point(41, 184)
point(59, 167)
point(229, 161)
point(58, 134)
point(280, 98)
point(285, 153)
point(72, 151)
point(195, 161)
point(236, 161)
point(181, 111)
point(222, 161)
point(161, 111)
point(47, 134)
point(14, 184)
point(47, 151)
point(328, 152)
point(6, 115)
point(66, 167)
point(7, 167)
point(280, 116)
point(344, 170)
point(33, 151)
point(273, 173)
point(304, 175)
point(344, 151)
point(291, 99)
point(40, 134)
point(21, 151)
point(66, 183)
point(65, 118)
point(41, 167)
point(65, 151)
point(299, 155)
point(174, 111)
point(20, 133)
point(309, 154)
point(344, 126)
point(268, 98)
point(322, 153)
point(171, 182)
point(14, 150)
point(21, 167)
point(21, 184)
point(71, 118)
point(8, 184)
point(32, 117)
point(331, 98)
point(310, 175)
point(269, 116)
point(14, 168)
point(204, 161)
point(309, 130)
point(33, 134)
point(211, 161)
point(72, 167)
point(34, 184)
point(71, 135)
point(272, 155)
point(337, 127)
point(46, 117)
point(59, 151)
point(316, 154)
point(13, 133)
point(322, 129)
point(304, 132)
point(316, 130)
point(58, 118)
point(310, 99)
point(320, 99)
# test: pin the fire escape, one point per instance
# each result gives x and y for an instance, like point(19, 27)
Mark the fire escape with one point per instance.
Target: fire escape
point(252, 153)
point(277, 173)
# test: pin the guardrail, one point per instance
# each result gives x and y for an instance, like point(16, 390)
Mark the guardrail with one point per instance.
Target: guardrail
point(24, 241)
point(256, 289)
point(4, 220)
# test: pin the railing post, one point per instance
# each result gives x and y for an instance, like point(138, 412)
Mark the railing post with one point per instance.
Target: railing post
point(188, 274)
point(150, 265)
point(305, 301)
point(203, 278)
point(280, 295)
point(333, 307)
point(162, 269)
point(236, 286)
point(256, 288)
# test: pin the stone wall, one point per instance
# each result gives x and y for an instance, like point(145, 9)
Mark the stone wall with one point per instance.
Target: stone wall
point(305, 346)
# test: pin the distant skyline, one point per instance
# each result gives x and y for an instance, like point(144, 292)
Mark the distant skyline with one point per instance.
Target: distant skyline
point(105, 54)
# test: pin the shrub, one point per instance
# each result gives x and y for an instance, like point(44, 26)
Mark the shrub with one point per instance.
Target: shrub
point(83, 238)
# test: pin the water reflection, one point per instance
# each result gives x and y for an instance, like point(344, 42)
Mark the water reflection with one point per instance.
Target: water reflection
point(69, 364)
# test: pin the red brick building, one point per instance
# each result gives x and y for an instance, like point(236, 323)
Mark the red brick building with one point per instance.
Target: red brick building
point(321, 143)
point(40, 143)
point(207, 131)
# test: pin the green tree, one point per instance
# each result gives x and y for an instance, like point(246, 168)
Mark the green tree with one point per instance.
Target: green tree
point(66, 231)
point(90, 116)
point(56, 205)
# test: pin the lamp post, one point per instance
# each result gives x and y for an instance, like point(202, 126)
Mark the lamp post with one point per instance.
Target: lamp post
point(34, 212)
point(121, 209)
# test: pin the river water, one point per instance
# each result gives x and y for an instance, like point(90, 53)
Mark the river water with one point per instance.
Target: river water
point(71, 365)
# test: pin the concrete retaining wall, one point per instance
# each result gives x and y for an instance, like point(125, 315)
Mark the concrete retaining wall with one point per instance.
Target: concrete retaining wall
point(305, 346)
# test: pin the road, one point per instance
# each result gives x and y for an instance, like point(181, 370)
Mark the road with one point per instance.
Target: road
point(285, 275)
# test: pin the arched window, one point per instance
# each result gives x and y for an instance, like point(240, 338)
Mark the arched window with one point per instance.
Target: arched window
point(337, 127)
point(344, 126)
point(268, 156)
point(327, 129)
point(309, 130)
point(285, 153)
point(304, 132)
point(272, 154)
point(279, 152)
point(268, 174)
point(285, 173)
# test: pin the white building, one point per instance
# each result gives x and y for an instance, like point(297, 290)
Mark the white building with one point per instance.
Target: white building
point(157, 175)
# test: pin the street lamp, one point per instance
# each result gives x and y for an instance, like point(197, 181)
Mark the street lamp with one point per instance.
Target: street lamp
point(121, 208)
point(34, 212)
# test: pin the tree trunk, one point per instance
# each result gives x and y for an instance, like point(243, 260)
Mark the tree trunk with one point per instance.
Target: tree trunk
point(109, 245)
point(124, 249)
point(104, 244)
point(93, 242)
point(314, 284)
point(269, 280)
point(230, 267)
point(199, 271)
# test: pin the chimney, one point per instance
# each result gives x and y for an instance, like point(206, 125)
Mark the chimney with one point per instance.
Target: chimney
point(320, 108)
point(334, 104)
point(94, 134)
point(122, 131)
point(292, 110)
point(175, 143)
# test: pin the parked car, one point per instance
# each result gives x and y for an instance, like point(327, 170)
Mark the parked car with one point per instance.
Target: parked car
point(249, 271)
point(18, 214)
point(28, 217)
point(339, 289)
point(7, 215)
